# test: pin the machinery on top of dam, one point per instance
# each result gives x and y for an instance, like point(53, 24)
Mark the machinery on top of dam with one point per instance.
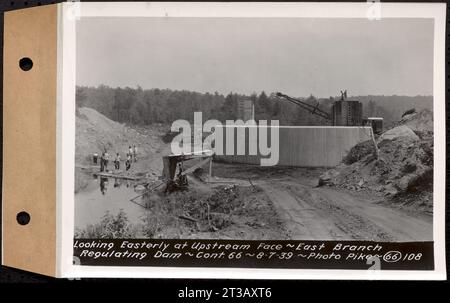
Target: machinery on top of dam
point(344, 112)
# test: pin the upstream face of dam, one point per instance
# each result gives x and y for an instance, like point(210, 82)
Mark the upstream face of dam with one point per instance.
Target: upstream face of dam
point(301, 146)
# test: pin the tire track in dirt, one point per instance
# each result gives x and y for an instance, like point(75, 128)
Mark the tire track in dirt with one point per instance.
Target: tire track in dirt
point(327, 214)
point(398, 225)
point(301, 219)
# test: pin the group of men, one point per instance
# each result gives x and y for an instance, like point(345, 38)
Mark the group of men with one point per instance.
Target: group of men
point(131, 156)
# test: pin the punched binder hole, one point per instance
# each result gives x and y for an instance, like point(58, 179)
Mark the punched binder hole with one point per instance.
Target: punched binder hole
point(23, 218)
point(25, 64)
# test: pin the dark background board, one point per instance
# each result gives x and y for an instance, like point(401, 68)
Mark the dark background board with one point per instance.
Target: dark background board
point(169, 287)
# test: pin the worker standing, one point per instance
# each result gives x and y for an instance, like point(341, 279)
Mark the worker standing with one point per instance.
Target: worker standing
point(117, 161)
point(106, 159)
point(128, 162)
point(135, 153)
point(102, 162)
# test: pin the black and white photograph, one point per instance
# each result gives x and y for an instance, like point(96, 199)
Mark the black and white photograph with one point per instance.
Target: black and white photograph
point(257, 129)
point(353, 100)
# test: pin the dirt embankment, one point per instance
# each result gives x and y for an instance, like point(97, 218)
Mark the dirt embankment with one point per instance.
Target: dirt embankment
point(95, 133)
point(403, 172)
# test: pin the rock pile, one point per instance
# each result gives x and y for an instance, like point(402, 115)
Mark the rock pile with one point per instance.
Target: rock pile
point(404, 166)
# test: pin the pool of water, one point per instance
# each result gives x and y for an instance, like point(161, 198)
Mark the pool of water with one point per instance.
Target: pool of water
point(107, 194)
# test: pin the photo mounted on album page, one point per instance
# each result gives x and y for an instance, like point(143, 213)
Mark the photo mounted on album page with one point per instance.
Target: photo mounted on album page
point(251, 140)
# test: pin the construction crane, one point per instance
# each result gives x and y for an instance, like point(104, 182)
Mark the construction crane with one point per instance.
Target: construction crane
point(315, 110)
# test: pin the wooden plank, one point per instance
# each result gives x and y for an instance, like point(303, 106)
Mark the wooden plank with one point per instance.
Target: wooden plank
point(109, 175)
point(197, 165)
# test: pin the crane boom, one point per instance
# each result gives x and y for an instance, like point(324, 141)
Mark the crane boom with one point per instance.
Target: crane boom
point(315, 110)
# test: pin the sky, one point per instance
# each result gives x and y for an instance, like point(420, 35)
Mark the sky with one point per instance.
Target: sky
point(296, 56)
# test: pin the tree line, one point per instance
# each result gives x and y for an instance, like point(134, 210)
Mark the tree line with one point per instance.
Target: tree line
point(137, 106)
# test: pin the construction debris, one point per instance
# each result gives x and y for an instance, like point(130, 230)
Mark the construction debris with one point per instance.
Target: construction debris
point(242, 211)
point(396, 132)
point(405, 166)
point(173, 163)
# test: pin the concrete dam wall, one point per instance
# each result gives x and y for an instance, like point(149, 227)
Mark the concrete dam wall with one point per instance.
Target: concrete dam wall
point(303, 146)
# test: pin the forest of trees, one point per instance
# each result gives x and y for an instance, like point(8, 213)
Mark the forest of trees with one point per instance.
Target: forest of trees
point(147, 106)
